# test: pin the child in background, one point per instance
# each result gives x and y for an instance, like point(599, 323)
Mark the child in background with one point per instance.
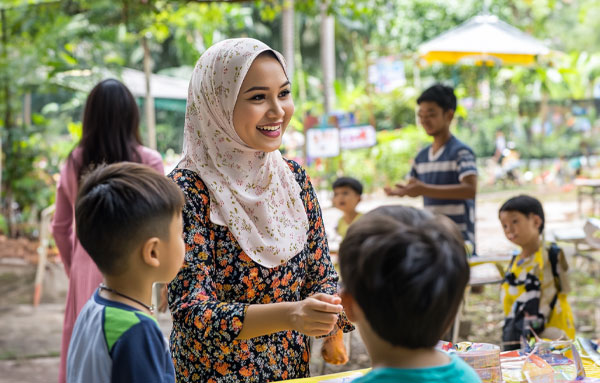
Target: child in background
point(347, 192)
point(535, 286)
point(404, 277)
point(128, 218)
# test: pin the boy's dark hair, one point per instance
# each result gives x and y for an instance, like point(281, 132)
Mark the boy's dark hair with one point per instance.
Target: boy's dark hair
point(525, 205)
point(406, 214)
point(118, 207)
point(350, 182)
point(408, 279)
point(442, 95)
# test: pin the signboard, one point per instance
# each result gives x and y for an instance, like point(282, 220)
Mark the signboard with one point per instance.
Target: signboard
point(340, 119)
point(327, 142)
point(322, 142)
point(387, 74)
point(356, 137)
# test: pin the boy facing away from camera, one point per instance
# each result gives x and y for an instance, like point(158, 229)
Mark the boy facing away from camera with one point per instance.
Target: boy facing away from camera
point(404, 277)
point(128, 218)
point(535, 287)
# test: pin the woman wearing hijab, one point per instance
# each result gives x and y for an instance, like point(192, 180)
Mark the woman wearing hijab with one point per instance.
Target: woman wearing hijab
point(110, 134)
point(257, 279)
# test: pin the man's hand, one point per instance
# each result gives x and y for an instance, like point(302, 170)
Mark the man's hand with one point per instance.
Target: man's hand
point(414, 188)
point(397, 190)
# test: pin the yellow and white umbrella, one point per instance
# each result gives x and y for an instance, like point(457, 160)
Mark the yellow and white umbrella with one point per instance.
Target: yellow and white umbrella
point(483, 40)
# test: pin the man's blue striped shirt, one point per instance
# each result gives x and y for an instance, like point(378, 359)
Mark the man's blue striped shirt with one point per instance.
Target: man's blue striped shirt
point(448, 166)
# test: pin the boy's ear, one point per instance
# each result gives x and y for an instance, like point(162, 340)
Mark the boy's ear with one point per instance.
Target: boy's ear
point(349, 305)
point(449, 114)
point(150, 252)
point(537, 220)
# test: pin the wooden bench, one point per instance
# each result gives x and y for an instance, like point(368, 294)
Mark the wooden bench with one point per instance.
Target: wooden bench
point(576, 237)
point(587, 188)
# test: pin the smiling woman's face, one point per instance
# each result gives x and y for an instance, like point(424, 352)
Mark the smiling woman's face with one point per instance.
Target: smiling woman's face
point(264, 105)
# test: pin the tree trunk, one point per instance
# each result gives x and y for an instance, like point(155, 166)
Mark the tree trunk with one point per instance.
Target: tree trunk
point(368, 85)
point(287, 36)
point(149, 101)
point(327, 57)
point(8, 200)
point(27, 110)
point(301, 81)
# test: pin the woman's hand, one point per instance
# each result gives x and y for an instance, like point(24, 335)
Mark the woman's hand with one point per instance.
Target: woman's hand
point(315, 315)
point(333, 349)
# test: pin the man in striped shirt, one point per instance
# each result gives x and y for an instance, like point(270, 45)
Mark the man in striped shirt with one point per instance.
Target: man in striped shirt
point(444, 173)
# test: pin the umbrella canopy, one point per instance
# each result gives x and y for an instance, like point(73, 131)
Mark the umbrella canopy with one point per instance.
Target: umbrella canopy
point(483, 39)
point(161, 86)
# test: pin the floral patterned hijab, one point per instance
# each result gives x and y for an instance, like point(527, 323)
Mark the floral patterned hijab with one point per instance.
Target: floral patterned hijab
point(252, 192)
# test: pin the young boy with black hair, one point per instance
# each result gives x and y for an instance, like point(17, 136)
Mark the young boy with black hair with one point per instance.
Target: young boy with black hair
point(445, 172)
point(403, 285)
point(347, 192)
point(534, 291)
point(128, 218)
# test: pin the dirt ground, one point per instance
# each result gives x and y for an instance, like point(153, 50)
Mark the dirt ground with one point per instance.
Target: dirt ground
point(30, 337)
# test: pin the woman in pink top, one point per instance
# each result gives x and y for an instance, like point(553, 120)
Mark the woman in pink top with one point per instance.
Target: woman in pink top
point(110, 134)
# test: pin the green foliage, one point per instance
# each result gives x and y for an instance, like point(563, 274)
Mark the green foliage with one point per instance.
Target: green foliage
point(395, 109)
point(385, 164)
point(52, 44)
point(395, 153)
point(33, 187)
point(480, 133)
point(3, 225)
point(72, 43)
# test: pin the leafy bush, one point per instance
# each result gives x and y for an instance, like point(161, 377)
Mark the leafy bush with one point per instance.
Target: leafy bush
point(3, 225)
point(388, 162)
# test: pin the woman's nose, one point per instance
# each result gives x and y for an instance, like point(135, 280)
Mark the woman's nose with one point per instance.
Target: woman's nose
point(276, 109)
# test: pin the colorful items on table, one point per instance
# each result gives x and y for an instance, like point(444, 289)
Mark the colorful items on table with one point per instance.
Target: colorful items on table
point(590, 349)
point(483, 357)
point(512, 366)
point(561, 356)
point(537, 370)
point(564, 359)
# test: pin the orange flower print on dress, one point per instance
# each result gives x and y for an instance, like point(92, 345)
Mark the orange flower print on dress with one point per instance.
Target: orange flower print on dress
point(222, 368)
point(318, 254)
point(246, 371)
point(198, 239)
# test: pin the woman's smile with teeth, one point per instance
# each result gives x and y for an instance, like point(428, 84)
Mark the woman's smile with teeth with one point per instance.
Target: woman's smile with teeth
point(270, 127)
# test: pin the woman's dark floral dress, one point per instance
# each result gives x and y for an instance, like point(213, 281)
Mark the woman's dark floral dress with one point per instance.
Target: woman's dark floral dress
point(218, 281)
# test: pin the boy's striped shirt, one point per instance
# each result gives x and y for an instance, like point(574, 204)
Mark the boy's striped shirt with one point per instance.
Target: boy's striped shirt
point(448, 166)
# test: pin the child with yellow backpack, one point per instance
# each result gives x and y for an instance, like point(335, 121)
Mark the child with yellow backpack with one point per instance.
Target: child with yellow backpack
point(535, 287)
